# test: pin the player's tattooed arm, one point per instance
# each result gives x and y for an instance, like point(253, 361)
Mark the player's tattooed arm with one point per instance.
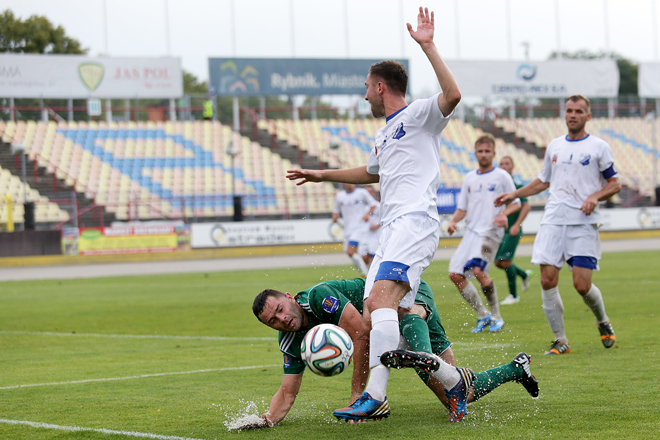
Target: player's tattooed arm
point(352, 322)
point(282, 401)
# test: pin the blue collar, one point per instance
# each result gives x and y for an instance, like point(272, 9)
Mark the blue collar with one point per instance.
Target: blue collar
point(576, 140)
point(395, 113)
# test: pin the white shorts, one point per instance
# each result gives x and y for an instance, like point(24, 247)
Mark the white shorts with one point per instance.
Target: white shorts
point(577, 245)
point(357, 238)
point(373, 239)
point(407, 246)
point(473, 251)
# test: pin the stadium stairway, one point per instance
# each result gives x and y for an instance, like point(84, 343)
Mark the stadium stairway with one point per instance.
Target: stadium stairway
point(512, 138)
point(46, 187)
point(284, 148)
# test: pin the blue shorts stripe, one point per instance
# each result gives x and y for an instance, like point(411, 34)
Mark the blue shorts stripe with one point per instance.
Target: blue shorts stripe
point(391, 270)
point(585, 262)
point(353, 243)
point(475, 262)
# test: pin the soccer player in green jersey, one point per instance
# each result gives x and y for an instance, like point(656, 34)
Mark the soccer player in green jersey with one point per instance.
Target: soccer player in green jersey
point(340, 303)
point(504, 257)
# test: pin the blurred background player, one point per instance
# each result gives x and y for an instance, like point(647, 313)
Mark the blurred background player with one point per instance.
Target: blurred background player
point(504, 257)
point(340, 302)
point(485, 226)
point(573, 168)
point(373, 236)
point(405, 161)
point(355, 206)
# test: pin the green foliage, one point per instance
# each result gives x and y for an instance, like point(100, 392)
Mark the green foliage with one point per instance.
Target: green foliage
point(36, 34)
point(628, 70)
point(590, 393)
point(192, 85)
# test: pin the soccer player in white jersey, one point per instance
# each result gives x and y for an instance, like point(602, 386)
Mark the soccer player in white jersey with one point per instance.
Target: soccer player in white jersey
point(485, 230)
point(355, 206)
point(574, 169)
point(406, 162)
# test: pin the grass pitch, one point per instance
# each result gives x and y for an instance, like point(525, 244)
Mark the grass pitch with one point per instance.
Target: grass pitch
point(182, 355)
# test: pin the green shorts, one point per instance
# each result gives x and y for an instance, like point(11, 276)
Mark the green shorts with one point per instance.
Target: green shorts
point(508, 246)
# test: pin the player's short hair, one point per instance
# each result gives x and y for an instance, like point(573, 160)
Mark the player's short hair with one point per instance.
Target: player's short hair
point(393, 74)
point(508, 157)
point(578, 98)
point(485, 138)
point(260, 301)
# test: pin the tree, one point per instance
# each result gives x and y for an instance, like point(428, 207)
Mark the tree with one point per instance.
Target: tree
point(628, 70)
point(192, 85)
point(35, 35)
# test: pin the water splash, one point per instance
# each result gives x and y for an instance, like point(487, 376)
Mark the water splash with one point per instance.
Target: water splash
point(243, 418)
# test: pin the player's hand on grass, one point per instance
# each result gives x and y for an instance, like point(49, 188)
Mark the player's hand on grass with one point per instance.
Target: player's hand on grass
point(425, 27)
point(500, 221)
point(304, 176)
point(504, 199)
point(263, 423)
point(589, 205)
point(452, 227)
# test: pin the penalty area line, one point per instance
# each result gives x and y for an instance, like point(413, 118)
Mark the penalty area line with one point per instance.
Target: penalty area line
point(103, 335)
point(109, 379)
point(101, 431)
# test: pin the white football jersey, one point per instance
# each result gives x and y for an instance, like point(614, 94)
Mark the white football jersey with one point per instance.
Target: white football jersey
point(353, 207)
point(406, 156)
point(575, 169)
point(477, 198)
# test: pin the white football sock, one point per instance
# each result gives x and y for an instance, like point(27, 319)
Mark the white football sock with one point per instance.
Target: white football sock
point(472, 297)
point(360, 264)
point(554, 312)
point(384, 337)
point(446, 374)
point(490, 292)
point(594, 300)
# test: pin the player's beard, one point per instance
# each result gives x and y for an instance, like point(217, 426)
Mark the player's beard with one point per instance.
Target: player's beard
point(576, 129)
point(377, 109)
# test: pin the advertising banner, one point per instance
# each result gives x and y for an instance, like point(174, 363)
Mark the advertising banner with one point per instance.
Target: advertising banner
point(543, 79)
point(126, 239)
point(649, 80)
point(232, 234)
point(294, 76)
point(82, 77)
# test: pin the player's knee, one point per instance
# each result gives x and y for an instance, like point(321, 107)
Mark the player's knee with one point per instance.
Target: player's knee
point(457, 278)
point(548, 283)
point(582, 286)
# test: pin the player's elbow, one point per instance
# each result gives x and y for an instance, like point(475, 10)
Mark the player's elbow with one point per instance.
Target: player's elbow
point(453, 97)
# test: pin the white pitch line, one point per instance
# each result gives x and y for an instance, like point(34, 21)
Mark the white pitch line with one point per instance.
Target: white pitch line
point(102, 431)
point(103, 335)
point(107, 379)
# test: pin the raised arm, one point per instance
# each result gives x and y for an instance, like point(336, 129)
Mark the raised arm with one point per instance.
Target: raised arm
point(357, 175)
point(451, 95)
point(351, 321)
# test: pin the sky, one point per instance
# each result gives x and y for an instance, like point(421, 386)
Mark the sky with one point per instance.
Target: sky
point(465, 29)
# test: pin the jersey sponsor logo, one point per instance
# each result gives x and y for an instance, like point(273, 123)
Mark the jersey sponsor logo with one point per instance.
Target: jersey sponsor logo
point(584, 159)
point(399, 132)
point(569, 161)
point(330, 304)
point(287, 361)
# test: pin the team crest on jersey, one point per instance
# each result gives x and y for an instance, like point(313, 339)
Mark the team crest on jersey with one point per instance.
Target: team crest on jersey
point(287, 361)
point(554, 158)
point(399, 132)
point(330, 304)
point(584, 159)
point(491, 187)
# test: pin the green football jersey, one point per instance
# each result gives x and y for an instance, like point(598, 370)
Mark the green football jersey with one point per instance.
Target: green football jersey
point(514, 217)
point(323, 304)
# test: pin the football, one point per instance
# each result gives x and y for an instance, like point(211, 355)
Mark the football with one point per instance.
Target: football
point(327, 350)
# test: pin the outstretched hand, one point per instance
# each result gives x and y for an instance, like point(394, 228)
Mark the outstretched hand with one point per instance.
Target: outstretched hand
point(425, 27)
point(304, 176)
point(504, 199)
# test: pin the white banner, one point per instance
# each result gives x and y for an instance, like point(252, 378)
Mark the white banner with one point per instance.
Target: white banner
point(77, 76)
point(649, 80)
point(232, 234)
point(544, 79)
